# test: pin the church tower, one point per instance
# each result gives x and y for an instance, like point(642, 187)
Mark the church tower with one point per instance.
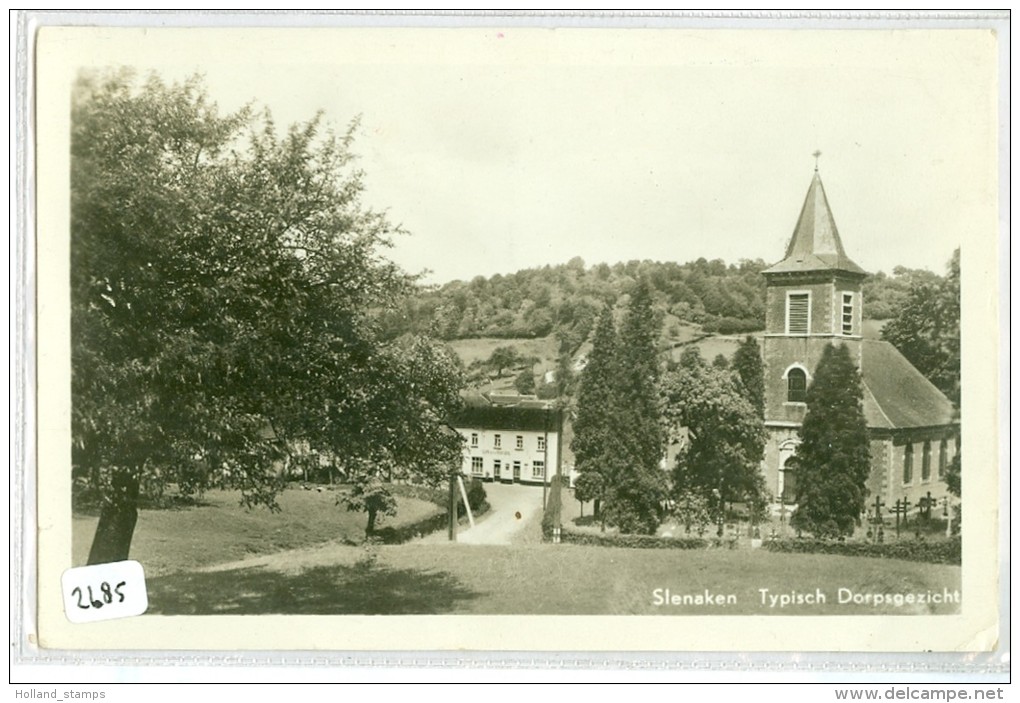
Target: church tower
point(813, 298)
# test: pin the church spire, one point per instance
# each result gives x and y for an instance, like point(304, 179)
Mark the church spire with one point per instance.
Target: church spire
point(815, 244)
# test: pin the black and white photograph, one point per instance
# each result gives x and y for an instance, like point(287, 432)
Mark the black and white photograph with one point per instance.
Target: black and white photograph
point(688, 334)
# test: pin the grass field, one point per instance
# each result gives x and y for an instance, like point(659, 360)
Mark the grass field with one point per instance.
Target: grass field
point(221, 530)
point(543, 579)
point(221, 558)
point(481, 348)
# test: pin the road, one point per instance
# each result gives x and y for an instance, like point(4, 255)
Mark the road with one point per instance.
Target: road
point(512, 506)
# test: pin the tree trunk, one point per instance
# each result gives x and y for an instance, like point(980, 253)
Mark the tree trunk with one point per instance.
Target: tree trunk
point(116, 527)
point(370, 530)
point(598, 512)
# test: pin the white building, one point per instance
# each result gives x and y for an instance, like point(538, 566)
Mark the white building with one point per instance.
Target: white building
point(510, 439)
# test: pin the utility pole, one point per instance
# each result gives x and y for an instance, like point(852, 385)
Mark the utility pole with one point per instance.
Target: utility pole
point(452, 530)
point(545, 452)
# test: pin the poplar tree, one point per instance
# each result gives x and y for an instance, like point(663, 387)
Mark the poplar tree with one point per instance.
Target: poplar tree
point(833, 457)
point(747, 362)
point(593, 426)
point(637, 484)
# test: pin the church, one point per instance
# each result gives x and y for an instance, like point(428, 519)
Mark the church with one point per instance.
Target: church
point(813, 298)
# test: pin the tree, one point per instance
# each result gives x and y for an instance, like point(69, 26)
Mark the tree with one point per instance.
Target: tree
point(833, 456)
point(637, 485)
point(726, 437)
point(720, 362)
point(503, 358)
point(593, 425)
point(564, 373)
point(368, 494)
point(747, 362)
point(927, 328)
point(953, 476)
point(525, 382)
point(590, 486)
point(225, 283)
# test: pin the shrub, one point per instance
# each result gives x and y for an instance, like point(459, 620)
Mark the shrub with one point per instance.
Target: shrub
point(476, 495)
point(691, 508)
point(933, 552)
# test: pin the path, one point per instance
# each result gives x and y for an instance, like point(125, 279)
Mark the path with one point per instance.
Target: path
point(500, 525)
point(512, 506)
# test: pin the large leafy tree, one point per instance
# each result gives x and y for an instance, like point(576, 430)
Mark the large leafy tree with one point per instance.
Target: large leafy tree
point(224, 283)
point(725, 434)
point(503, 358)
point(927, 328)
point(833, 456)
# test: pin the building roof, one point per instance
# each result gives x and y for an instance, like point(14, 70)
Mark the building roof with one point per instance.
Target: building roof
point(897, 395)
point(815, 244)
point(496, 413)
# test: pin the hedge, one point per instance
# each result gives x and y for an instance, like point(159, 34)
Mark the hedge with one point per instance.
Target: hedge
point(934, 552)
point(633, 541)
point(438, 521)
point(425, 526)
point(404, 533)
point(441, 496)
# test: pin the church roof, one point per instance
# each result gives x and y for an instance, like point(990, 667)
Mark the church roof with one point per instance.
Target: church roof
point(815, 244)
point(896, 395)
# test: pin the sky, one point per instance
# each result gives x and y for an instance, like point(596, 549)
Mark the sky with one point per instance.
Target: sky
point(505, 148)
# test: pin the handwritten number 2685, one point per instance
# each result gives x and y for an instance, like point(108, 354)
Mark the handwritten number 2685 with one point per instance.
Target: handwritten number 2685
point(106, 594)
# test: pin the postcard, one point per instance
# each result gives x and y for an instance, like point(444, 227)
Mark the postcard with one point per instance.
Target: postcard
point(502, 337)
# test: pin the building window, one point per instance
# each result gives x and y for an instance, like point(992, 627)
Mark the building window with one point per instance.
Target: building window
point(476, 465)
point(497, 441)
point(474, 439)
point(796, 386)
point(497, 466)
point(943, 458)
point(520, 442)
point(926, 462)
point(517, 470)
point(908, 464)
point(788, 481)
point(541, 444)
point(538, 469)
point(848, 313)
point(798, 313)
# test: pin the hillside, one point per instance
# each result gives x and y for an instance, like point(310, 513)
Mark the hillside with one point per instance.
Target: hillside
point(563, 301)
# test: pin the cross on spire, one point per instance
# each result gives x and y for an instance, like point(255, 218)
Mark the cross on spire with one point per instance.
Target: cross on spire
point(816, 155)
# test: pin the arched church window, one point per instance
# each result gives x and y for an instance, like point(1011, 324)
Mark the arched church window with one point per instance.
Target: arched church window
point(788, 480)
point(796, 381)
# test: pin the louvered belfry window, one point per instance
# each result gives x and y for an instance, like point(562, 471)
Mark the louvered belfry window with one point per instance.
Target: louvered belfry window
point(797, 311)
point(848, 313)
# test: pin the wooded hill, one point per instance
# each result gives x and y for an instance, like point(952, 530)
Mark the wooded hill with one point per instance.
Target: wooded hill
point(565, 300)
